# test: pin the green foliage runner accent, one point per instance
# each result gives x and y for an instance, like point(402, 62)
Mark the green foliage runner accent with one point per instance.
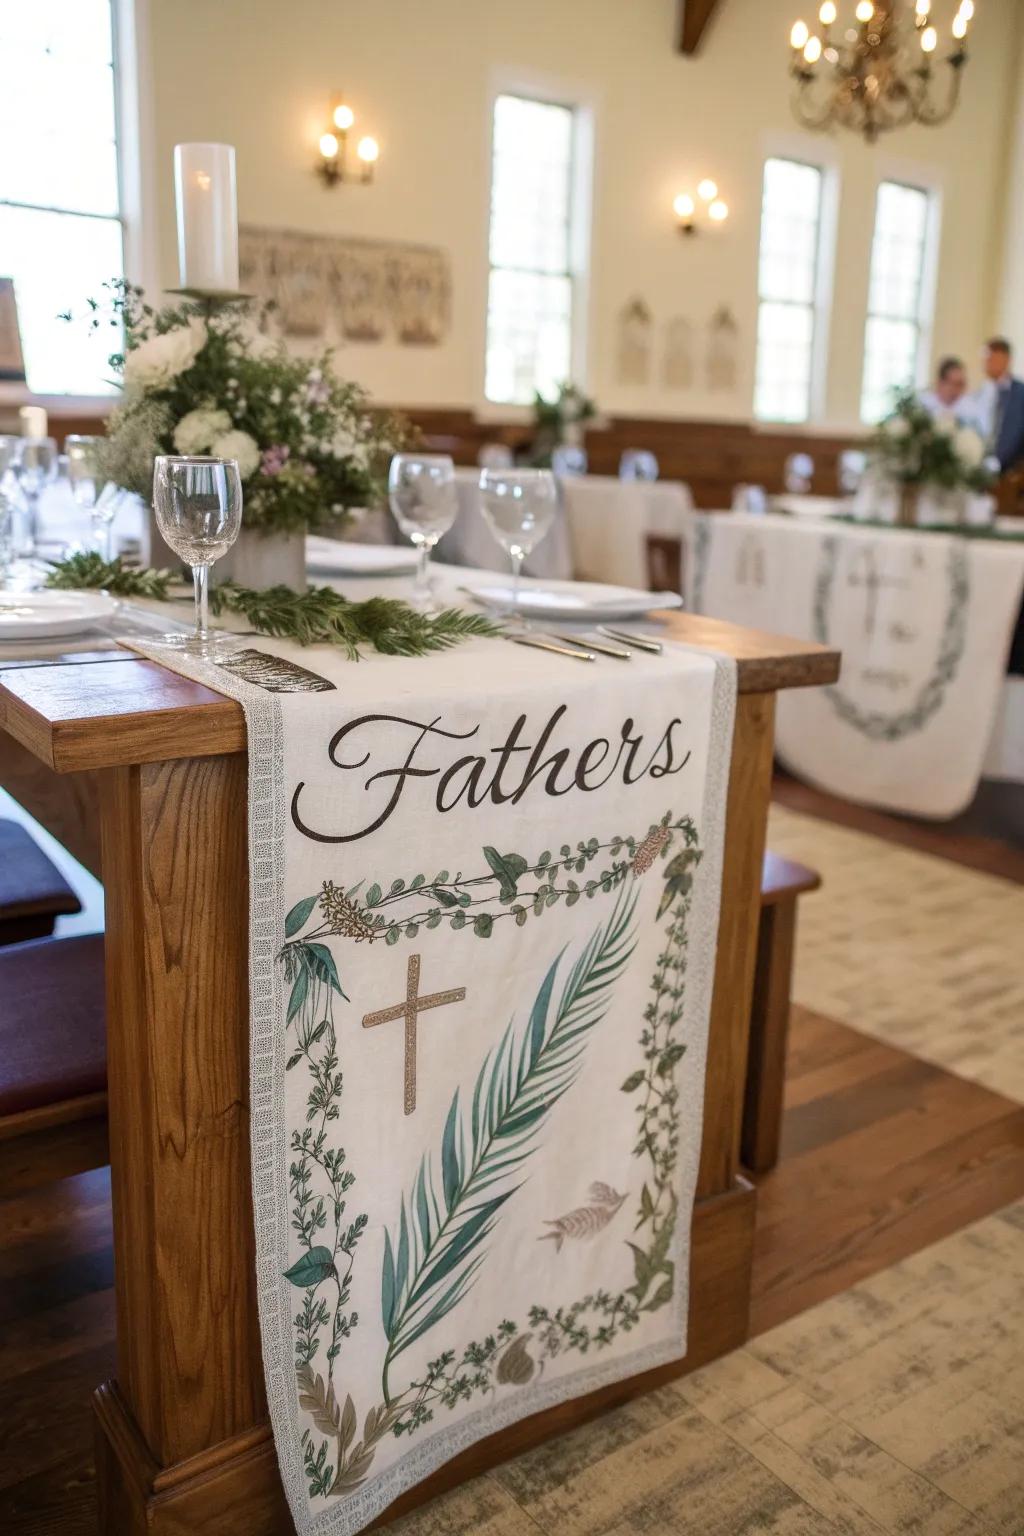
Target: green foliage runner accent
point(318, 616)
point(90, 571)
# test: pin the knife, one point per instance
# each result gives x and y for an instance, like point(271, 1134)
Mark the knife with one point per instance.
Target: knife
point(593, 645)
point(548, 645)
point(640, 642)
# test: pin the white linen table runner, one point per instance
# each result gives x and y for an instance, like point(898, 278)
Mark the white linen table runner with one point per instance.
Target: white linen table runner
point(483, 916)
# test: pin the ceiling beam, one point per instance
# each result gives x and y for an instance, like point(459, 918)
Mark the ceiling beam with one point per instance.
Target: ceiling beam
point(694, 16)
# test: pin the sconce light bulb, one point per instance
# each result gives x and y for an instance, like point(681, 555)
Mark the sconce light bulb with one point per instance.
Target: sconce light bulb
point(966, 9)
point(683, 206)
point(929, 38)
point(923, 7)
point(959, 26)
point(707, 190)
point(865, 10)
point(827, 14)
point(328, 146)
point(344, 117)
point(368, 149)
point(799, 34)
point(718, 211)
point(812, 50)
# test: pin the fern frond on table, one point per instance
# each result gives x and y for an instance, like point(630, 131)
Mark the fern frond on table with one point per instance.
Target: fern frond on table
point(90, 572)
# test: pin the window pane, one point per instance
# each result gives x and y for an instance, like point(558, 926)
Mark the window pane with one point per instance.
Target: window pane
point(787, 288)
point(785, 336)
point(57, 139)
point(58, 261)
point(892, 337)
point(531, 183)
point(528, 334)
point(890, 363)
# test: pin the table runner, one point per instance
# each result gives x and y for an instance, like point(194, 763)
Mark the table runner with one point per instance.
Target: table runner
point(483, 909)
point(924, 622)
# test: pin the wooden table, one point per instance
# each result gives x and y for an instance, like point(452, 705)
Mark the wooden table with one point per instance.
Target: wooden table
point(158, 764)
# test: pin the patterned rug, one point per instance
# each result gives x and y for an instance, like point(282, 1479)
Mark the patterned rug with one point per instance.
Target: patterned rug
point(897, 1407)
point(918, 951)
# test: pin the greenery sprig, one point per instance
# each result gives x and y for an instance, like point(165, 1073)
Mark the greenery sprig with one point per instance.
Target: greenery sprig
point(321, 616)
point(91, 572)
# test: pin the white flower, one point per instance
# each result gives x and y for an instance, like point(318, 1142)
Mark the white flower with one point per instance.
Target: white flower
point(196, 431)
point(970, 448)
point(239, 446)
point(157, 361)
point(945, 424)
point(897, 426)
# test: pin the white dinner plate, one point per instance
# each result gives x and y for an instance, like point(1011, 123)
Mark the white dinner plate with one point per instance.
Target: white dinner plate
point(336, 557)
point(42, 615)
point(586, 601)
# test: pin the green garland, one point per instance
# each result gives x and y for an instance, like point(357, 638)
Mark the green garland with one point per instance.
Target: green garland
point(91, 571)
point(318, 616)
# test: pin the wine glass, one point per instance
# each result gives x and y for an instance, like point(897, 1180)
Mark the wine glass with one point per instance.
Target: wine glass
point(198, 506)
point(519, 506)
point(82, 475)
point(421, 493)
point(35, 467)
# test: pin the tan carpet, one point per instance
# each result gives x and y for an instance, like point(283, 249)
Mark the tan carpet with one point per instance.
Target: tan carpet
point(895, 1408)
point(920, 952)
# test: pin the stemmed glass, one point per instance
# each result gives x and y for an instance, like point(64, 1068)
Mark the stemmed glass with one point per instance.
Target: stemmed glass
point(421, 492)
point(35, 467)
point(82, 475)
point(198, 506)
point(519, 506)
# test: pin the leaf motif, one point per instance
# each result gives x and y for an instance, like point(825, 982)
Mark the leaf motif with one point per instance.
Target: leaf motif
point(508, 867)
point(450, 1173)
point(387, 1285)
point(445, 898)
point(632, 1082)
point(324, 964)
point(347, 1426)
point(298, 915)
point(669, 1057)
point(313, 1267)
point(373, 895)
point(318, 1401)
point(300, 986)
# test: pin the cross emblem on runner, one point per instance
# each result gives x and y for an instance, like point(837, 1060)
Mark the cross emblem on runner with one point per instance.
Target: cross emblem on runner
point(409, 1010)
point(873, 581)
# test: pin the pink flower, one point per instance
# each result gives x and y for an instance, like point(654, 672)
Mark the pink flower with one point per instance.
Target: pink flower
point(273, 460)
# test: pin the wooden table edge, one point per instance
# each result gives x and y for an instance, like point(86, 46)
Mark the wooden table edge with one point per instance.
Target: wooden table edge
point(71, 717)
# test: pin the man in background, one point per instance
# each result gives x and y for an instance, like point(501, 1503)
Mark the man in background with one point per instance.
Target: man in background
point(950, 386)
point(997, 408)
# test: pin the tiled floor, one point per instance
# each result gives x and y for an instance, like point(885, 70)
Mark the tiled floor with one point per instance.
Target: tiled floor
point(925, 954)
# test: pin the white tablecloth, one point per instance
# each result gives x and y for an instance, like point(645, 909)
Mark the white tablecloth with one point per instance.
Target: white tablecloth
point(471, 542)
point(924, 621)
point(609, 521)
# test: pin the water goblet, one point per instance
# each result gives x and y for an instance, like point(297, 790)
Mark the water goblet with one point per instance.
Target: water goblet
point(83, 478)
point(519, 506)
point(198, 506)
point(421, 493)
point(35, 467)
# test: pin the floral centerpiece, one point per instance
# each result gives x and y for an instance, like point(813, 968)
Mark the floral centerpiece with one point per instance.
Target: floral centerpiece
point(922, 452)
point(202, 379)
point(559, 421)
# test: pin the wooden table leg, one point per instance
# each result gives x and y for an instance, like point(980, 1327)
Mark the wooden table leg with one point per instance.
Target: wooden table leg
point(769, 1031)
point(188, 1409)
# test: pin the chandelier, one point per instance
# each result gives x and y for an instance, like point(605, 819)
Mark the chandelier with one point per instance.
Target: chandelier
point(879, 73)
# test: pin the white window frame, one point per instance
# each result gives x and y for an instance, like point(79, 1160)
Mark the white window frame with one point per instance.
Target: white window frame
point(573, 96)
point(911, 178)
point(134, 138)
point(820, 304)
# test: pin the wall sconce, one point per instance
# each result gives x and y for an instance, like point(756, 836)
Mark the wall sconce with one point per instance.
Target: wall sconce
point(333, 165)
point(687, 209)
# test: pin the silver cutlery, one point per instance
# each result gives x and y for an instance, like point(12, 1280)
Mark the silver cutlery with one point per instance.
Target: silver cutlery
point(617, 651)
point(638, 642)
point(549, 645)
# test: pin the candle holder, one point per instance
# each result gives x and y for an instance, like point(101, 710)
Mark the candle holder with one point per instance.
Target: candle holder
point(213, 299)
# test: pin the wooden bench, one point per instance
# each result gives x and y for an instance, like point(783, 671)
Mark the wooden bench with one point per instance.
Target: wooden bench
point(53, 1061)
point(33, 892)
point(782, 882)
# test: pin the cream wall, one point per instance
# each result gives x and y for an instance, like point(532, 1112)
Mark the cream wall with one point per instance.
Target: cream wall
point(420, 75)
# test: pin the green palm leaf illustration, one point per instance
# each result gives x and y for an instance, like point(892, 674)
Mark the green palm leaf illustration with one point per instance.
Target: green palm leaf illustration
point(452, 1208)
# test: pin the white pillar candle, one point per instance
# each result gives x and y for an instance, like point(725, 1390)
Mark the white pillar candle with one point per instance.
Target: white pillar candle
point(204, 191)
point(33, 421)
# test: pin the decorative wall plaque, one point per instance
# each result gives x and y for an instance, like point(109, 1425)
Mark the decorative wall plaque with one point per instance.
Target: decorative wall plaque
point(360, 290)
point(633, 360)
point(723, 345)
